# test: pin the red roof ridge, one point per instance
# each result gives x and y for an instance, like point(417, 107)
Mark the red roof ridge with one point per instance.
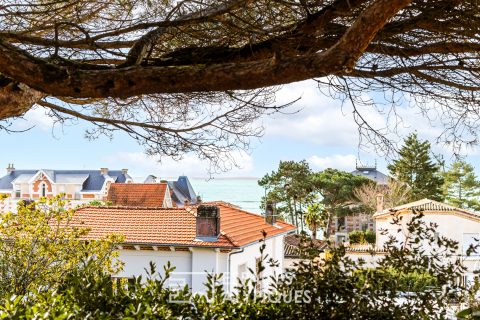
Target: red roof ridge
point(137, 183)
point(133, 208)
point(232, 241)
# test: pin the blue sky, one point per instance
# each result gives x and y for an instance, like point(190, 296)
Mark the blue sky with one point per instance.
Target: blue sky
point(322, 133)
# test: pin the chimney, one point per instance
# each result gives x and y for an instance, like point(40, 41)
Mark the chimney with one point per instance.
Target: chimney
point(124, 171)
point(270, 214)
point(10, 168)
point(199, 200)
point(379, 202)
point(208, 223)
point(103, 171)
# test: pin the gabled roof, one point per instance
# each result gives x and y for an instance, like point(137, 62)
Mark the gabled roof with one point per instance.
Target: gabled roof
point(182, 190)
point(137, 194)
point(427, 206)
point(91, 180)
point(175, 226)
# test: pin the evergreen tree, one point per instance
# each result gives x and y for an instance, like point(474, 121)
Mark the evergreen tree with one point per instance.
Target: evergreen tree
point(461, 186)
point(416, 167)
point(290, 188)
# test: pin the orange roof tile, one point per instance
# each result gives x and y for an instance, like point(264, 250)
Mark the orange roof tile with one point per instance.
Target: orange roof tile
point(176, 226)
point(137, 194)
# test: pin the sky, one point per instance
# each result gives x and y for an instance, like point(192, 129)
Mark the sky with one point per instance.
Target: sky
point(323, 132)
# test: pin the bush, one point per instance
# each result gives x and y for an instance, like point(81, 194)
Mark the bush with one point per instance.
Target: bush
point(356, 237)
point(370, 237)
point(361, 237)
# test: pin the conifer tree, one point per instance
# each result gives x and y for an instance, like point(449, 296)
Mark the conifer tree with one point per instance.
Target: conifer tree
point(461, 186)
point(416, 167)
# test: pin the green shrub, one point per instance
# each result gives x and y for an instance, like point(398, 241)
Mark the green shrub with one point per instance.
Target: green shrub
point(361, 237)
point(369, 236)
point(356, 237)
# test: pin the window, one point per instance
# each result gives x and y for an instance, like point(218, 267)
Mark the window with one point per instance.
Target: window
point(18, 193)
point(44, 190)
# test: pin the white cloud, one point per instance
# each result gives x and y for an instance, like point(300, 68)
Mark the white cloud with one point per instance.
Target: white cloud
point(141, 165)
point(36, 117)
point(337, 161)
point(321, 120)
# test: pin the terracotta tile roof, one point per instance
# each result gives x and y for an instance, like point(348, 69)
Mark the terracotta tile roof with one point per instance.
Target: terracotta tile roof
point(175, 226)
point(428, 206)
point(293, 244)
point(137, 194)
point(364, 248)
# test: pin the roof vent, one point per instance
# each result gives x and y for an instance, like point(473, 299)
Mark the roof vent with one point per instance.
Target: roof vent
point(208, 223)
point(270, 214)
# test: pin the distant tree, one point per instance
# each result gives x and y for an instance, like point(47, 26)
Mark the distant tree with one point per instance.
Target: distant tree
point(336, 189)
point(394, 193)
point(290, 187)
point(41, 243)
point(417, 169)
point(316, 216)
point(461, 186)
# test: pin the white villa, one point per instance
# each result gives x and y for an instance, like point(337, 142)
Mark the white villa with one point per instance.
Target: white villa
point(453, 223)
point(217, 238)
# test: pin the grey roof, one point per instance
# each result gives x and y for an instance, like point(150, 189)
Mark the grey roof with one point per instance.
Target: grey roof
point(371, 173)
point(71, 178)
point(6, 181)
point(93, 178)
point(182, 190)
point(23, 178)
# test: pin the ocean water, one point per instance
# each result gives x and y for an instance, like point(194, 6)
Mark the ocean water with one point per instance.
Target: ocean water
point(243, 192)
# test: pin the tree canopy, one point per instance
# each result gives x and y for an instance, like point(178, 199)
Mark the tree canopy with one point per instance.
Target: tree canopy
point(415, 167)
point(193, 76)
point(42, 242)
point(288, 188)
point(461, 186)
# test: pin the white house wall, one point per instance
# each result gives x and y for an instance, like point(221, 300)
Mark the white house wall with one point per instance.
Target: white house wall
point(191, 266)
point(136, 263)
point(247, 260)
point(451, 226)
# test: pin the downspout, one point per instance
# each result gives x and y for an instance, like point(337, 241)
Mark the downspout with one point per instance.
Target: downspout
point(229, 266)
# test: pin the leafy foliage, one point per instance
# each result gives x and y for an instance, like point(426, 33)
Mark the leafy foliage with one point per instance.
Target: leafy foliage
point(41, 243)
point(361, 237)
point(290, 187)
point(295, 185)
point(417, 169)
point(406, 284)
point(461, 186)
point(315, 217)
